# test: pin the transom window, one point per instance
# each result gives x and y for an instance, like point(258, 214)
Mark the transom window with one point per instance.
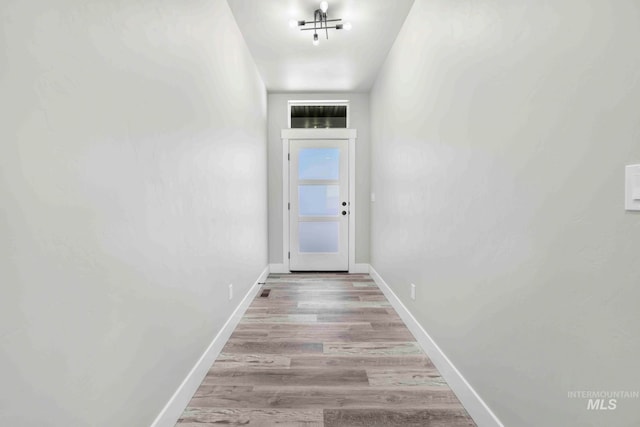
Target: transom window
point(318, 114)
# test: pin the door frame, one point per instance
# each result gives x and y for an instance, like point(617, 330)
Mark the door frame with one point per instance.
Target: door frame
point(333, 133)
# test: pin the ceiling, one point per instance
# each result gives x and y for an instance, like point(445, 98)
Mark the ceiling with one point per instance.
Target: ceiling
point(349, 61)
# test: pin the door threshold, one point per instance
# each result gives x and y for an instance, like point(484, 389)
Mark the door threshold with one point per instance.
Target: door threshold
point(319, 272)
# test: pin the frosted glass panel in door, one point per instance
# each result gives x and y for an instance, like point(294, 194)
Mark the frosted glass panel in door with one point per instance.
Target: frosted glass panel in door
point(319, 208)
point(319, 163)
point(319, 237)
point(319, 200)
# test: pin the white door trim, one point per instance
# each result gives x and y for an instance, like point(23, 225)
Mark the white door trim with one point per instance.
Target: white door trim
point(333, 133)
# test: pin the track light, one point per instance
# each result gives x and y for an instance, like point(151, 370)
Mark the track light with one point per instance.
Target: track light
point(320, 22)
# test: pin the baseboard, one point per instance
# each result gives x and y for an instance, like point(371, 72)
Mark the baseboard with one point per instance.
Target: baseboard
point(473, 403)
point(278, 269)
point(359, 269)
point(180, 399)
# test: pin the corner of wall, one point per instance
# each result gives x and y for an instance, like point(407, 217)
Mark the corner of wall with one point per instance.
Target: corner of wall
point(170, 414)
point(470, 399)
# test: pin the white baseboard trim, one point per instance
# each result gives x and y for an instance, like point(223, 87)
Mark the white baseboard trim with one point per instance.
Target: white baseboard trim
point(278, 269)
point(473, 403)
point(359, 269)
point(180, 399)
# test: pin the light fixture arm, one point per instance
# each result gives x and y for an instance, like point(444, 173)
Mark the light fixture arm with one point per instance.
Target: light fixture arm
point(320, 22)
point(324, 15)
point(337, 27)
point(316, 19)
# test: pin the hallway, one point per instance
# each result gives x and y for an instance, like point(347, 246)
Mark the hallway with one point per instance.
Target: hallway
point(148, 191)
point(323, 350)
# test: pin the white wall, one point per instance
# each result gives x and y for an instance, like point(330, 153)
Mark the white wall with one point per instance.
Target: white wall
point(500, 131)
point(133, 190)
point(278, 120)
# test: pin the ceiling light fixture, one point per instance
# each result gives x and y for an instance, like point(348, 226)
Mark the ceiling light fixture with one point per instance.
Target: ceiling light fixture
point(320, 22)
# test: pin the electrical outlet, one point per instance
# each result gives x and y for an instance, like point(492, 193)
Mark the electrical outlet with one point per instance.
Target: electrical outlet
point(413, 291)
point(230, 291)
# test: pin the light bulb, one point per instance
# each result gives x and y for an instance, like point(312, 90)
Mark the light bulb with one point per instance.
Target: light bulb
point(316, 42)
point(293, 23)
point(347, 26)
point(324, 6)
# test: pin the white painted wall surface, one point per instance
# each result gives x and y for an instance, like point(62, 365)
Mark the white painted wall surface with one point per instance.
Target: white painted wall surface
point(359, 119)
point(500, 131)
point(133, 191)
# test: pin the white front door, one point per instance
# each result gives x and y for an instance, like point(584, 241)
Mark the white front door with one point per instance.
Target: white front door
point(319, 211)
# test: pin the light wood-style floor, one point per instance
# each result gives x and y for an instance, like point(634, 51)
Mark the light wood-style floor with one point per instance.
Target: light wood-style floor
point(323, 350)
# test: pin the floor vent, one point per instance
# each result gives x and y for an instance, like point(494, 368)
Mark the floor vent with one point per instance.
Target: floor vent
point(265, 293)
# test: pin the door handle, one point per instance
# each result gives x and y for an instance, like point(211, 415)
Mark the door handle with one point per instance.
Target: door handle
point(344, 212)
point(344, 203)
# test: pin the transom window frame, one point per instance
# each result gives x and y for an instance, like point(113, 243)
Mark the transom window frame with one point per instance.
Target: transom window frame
point(316, 103)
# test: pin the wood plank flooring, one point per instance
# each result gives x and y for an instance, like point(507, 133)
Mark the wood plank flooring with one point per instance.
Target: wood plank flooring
point(323, 350)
